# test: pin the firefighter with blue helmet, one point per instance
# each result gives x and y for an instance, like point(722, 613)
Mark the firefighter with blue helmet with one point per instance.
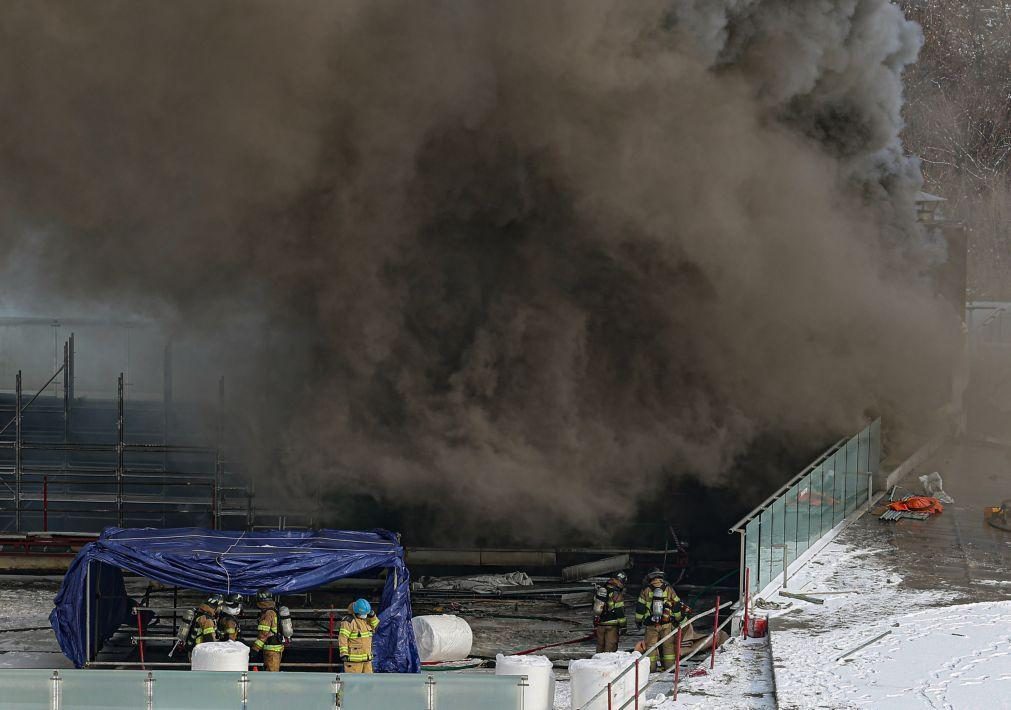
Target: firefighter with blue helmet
point(356, 632)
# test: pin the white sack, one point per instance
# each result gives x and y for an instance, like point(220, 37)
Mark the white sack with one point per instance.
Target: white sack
point(589, 675)
point(220, 656)
point(540, 691)
point(933, 486)
point(442, 637)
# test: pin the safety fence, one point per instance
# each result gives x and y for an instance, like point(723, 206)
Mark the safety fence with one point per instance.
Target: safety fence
point(621, 692)
point(806, 508)
point(203, 690)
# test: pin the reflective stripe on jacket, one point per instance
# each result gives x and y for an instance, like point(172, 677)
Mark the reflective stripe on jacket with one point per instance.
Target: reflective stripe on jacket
point(671, 606)
point(614, 610)
point(266, 632)
point(205, 626)
point(356, 638)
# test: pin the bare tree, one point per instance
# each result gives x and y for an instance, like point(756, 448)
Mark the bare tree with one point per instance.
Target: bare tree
point(959, 122)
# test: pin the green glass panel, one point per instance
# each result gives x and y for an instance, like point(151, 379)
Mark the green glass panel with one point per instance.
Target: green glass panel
point(466, 692)
point(778, 511)
point(839, 486)
point(104, 689)
point(874, 461)
point(405, 691)
point(751, 546)
point(800, 518)
point(305, 691)
point(197, 690)
point(25, 689)
point(856, 481)
point(764, 550)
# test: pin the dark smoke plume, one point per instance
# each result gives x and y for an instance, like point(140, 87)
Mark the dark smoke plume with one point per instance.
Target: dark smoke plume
point(518, 261)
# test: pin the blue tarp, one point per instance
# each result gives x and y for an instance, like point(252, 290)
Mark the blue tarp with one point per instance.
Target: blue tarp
point(283, 561)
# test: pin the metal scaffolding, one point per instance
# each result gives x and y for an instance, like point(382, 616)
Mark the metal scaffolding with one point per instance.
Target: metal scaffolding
point(126, 489)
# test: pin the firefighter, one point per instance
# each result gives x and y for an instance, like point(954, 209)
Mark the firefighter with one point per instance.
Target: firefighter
point(356, 637)
point(205, 621)
point(228, 618)
point(609, 622)
point(659, 609)
point(268, 641)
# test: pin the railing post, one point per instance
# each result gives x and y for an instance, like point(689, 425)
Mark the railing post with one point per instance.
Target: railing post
point(523, 685)
point(430, 693)
point(609, 696)
point(244, 688)
point(120, 436)
point(17, 453)
point(746, 598)
point(149, 685)
point(330, 650)
point(716, 630)
point(140, 633)
point(56, 696)
point(338, 693)
point(45, 504)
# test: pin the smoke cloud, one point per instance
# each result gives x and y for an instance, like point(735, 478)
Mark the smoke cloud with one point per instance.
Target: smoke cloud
point(517, 262)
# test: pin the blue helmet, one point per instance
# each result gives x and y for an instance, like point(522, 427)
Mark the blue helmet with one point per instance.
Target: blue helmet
point(361, 608)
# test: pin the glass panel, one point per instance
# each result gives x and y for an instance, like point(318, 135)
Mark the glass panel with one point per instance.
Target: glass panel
point(764, 550)
point(196, 690)
point(839, 486)
point(751, 553)
point(790, 522)
point(390, 690)
point(800, 498)
point(778, 537)
point(305, 691)
point(102, 689)
point(875, 454)
point(467, 692)
point(856, 481)
point(864, 457)
point(824, 495)
point(26, 689)
point(812, 493)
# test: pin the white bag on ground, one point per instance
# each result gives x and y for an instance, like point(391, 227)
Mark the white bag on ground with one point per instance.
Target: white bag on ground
point(220, 656)
point(589, 675)
point(934, 487)
point(442, 637)
point(540, 691)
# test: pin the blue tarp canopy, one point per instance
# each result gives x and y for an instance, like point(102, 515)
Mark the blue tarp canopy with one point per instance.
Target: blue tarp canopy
point(283, 561)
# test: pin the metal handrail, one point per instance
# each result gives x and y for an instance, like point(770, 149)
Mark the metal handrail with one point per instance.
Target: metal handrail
point(635, 663)
point(683, 660)
point(738, 526)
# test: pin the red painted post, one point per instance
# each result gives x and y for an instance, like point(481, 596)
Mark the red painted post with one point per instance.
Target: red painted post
point(140, 643)
point(609, 696)
point(747, 587)
point(677, 663)
point(45, 504)
point(716, 630)
point(330, 654)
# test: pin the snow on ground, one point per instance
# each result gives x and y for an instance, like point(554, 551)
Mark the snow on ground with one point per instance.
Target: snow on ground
point(26, 639)
point(742, 679)
point(935, 653)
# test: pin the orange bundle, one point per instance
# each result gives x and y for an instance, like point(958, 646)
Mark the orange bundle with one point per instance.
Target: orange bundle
point(918, 504)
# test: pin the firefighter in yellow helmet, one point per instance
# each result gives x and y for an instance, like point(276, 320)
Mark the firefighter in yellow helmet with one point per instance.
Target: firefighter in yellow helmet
point(268, 639)
point(609, 622)
point(356, 634)
point(205, 622)
point(658, 609)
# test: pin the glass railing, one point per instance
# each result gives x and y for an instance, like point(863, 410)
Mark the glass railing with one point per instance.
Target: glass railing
point(193, 690)
point(820, 497)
